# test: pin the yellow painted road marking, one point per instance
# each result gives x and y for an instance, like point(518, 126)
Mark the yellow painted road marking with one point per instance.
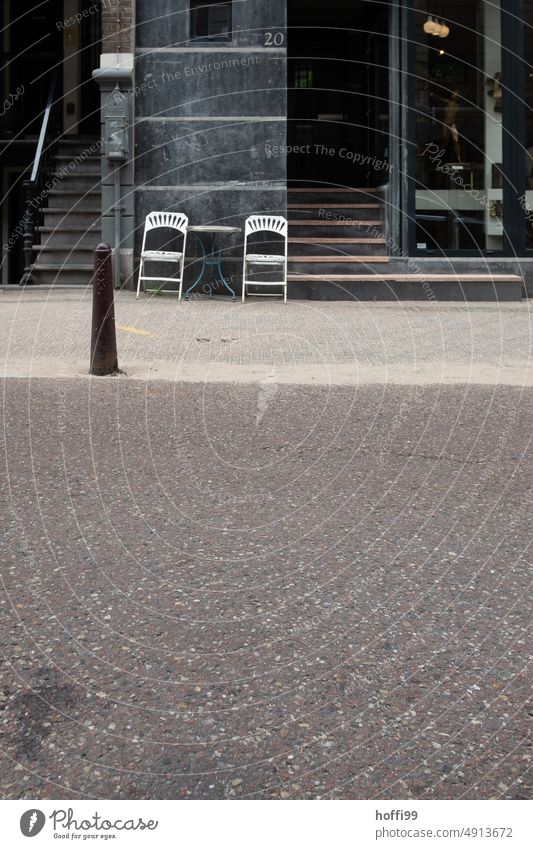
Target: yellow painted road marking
point(136, 330)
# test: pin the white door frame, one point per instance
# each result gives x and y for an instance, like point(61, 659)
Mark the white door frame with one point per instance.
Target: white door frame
point(71, 65)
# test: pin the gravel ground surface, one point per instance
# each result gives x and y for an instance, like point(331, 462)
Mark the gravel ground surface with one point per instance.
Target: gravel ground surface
point(266, 591)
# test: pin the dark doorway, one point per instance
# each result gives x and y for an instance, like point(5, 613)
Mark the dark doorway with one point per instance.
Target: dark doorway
point(35, 55)
point(90, 49)
point(31, 61)
point(338, 96)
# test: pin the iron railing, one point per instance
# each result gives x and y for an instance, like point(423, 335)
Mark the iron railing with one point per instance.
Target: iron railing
point(33, 188)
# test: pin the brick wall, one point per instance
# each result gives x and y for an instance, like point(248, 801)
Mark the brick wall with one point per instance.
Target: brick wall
point(118, 26)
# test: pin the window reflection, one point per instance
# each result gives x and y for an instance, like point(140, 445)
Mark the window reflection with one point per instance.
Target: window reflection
point(527, 198)
point(458, 137)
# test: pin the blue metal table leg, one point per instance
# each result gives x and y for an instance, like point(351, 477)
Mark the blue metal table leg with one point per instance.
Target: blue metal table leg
point(202, 269)
point(221, 276)
point(213, 259)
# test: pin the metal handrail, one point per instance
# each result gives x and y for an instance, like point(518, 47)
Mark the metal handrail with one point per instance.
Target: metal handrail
point(33, 182)
point(44, 128)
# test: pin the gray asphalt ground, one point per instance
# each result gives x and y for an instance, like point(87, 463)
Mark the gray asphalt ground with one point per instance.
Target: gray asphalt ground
point(267, 590)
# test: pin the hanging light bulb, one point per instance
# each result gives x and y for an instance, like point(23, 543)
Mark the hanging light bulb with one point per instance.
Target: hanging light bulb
point(431, 27)
point(444, 31)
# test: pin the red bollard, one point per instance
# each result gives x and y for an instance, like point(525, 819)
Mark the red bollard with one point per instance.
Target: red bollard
point(104, 358)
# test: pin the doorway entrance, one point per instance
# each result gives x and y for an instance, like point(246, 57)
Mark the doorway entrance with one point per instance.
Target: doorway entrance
point(50, 49)
point(338, 93)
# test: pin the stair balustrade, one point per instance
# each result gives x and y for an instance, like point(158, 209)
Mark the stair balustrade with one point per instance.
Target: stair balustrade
point(35, 186)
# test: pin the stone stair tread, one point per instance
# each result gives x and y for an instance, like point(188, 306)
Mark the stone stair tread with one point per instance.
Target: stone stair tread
point(74, 174)
point(66, 209)
point(79, 138)
point(68, 157)
point(338, 205)
point(70, 168)
point(330, 189)
point(60, 247)
point(334, 258)
point(83, 192)
point(60, 266)
point(322, 223)
point(69, 228)
point(331, 240)
point(435, 278)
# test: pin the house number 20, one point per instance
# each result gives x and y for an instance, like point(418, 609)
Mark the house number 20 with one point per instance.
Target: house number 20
point(274, 39)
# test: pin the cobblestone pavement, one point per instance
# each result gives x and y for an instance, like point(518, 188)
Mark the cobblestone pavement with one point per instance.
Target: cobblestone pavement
point(51, 330)
point(267, 591)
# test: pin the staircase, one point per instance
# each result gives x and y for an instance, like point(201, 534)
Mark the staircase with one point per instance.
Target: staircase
point(335, 234)
point(71, 216)
point(338, 249)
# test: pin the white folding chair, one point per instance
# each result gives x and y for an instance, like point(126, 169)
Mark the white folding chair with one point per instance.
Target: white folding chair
point(265, 224)
point(170, 221)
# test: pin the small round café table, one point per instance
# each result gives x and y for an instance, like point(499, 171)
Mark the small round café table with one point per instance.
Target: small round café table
point(211, 254)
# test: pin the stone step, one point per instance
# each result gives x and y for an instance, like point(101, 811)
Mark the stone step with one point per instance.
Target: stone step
point(371, 227)
point(65, 254)
point(336, 188)
point(418, 278)
point(354, 222)
point(73, 192)
point(336, 205)
point(65, 158)
point(74, 230)
point(338, 212)
point(333, 260)
point(333, 241)
point(63, 246)
point(78, 179)
point(78, 153)
point(337, 247)
point(335, 194)
point(336, 269)
point(76, 204)
point(58, 209)
point(393, 286)
point(79, 144)
point(72, 274)
point(79, 171)
point(78, 184)
point(57, 219)
point(57, 237)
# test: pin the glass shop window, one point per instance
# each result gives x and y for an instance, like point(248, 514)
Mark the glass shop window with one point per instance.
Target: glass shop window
point(458, 125)
point(210, 21)
point(526, 199)
point(303, 76)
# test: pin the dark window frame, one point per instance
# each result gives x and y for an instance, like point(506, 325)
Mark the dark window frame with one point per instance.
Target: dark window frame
point(206, 38)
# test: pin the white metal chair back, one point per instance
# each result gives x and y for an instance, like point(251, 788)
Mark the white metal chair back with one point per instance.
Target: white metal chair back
point(171, 220)
point(265, 224)
point(164, 220)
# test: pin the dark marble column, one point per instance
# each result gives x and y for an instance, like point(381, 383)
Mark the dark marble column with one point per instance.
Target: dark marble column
point(208, 115)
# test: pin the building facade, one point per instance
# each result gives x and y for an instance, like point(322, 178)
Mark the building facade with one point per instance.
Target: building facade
point(397, 137)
